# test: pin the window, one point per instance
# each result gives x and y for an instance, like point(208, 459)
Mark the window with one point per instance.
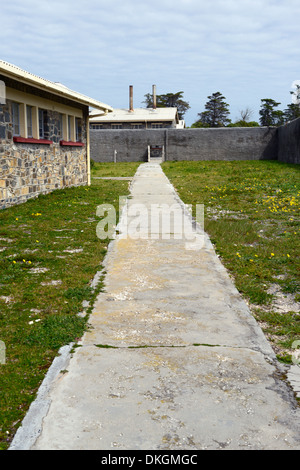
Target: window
point(29, 121)
point(156, 126)
point(42, 123)
point(96, 126)
point(16, 118)
point(116, 126)
point(57, 124)
point(69, 127)
point(137, 126)
point(78, 129)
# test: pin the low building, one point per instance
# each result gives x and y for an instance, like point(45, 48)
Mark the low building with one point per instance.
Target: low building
point(44, 135)
point(137, 118)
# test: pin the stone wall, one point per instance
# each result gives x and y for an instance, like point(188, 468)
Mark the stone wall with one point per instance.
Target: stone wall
point(255, 143)
point(27, 169)
point(289, 142)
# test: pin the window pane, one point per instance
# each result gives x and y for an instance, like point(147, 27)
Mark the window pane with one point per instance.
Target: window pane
point(69, 127)
point(156, 126)
point(29, 120)
point(41, 124)
point(78, 128)
point(16, 118)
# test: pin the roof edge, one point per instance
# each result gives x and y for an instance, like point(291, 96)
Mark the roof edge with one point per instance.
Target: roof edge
point(15, 72)
point(120, 114)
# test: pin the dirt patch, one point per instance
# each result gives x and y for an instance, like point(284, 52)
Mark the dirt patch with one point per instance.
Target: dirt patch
point(283, 303)
point(51, 283)
point(38, 270)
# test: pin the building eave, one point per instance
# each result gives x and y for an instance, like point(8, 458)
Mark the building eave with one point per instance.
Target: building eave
point(16, 73)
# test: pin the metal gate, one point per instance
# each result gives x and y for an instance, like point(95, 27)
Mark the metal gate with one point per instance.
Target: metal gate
point(156, 153)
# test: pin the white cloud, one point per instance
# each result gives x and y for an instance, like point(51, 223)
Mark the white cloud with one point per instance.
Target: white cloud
point(248, 50)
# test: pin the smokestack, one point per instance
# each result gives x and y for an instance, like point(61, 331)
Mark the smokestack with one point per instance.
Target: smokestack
point(154, 96)
point(131, 98)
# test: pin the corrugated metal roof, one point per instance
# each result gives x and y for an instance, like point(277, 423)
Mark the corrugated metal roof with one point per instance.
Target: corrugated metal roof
point(137, 115)
point(15, 72)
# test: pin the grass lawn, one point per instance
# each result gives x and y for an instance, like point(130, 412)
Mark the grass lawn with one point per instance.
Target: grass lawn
point(49, 254)
point(124, 169)
point(252, 217)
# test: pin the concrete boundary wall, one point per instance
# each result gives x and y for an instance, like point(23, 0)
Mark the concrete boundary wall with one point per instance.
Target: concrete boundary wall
point(289, 142)
point(247, 143)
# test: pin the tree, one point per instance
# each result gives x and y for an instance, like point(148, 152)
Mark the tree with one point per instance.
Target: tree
point(198, 124)
point(244, 120)
point(242, 123)
point(292, 112)
point(246, 114)
point(216, 112)
point(269, 116)
point(296, 94)
point(169, 100)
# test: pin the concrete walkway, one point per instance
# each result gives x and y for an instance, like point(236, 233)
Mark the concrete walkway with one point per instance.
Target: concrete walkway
point(174, 359)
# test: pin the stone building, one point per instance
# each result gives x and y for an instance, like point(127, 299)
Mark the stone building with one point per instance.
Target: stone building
point(44, 135)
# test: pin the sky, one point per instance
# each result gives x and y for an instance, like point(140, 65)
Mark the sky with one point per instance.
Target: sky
point(248, 50)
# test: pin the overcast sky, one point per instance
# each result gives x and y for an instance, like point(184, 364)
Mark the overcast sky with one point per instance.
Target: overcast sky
point(247, 49)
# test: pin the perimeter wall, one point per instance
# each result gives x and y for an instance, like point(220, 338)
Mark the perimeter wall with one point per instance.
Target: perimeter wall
point(289, 142)
point(185, 144)
point(230, 143)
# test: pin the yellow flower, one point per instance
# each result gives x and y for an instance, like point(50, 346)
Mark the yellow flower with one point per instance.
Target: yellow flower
point(272, 254)
point(288, 255)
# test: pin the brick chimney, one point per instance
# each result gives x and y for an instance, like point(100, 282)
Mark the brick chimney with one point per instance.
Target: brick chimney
point(154, 96)
point(131, 98)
